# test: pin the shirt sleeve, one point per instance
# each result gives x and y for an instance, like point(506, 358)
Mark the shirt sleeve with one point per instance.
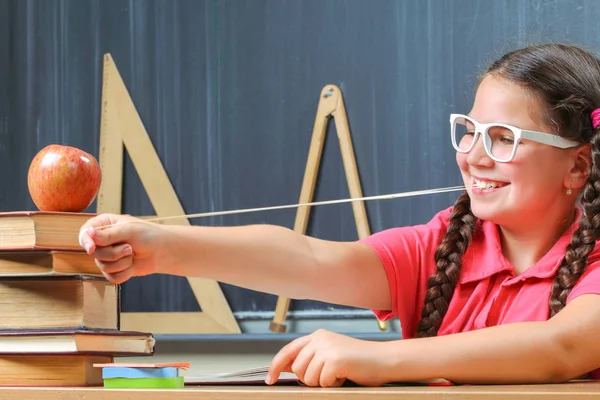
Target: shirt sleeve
point(589, 283)
point(407, 255)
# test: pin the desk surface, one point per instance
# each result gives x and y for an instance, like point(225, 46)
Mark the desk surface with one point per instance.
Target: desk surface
point(571, 391)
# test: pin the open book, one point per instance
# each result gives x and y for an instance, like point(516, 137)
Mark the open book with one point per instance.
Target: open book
point(258, 376)
point(249, 376)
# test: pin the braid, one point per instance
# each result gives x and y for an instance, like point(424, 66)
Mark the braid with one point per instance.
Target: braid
point(448, 260)
point(584, 239)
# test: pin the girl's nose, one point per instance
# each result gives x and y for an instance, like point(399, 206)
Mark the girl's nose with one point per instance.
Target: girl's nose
point(478, 156)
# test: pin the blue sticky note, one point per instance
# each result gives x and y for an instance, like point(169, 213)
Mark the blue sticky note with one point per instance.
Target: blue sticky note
point(130, 372)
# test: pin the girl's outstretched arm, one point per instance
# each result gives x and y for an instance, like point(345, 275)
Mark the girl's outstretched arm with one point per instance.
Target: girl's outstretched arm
point(266, 258)
point(278, 260)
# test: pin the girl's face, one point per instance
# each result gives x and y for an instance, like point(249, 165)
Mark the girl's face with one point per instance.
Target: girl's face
point(531, 185)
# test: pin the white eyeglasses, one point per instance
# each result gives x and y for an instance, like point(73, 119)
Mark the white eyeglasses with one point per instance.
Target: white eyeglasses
point(499, 140)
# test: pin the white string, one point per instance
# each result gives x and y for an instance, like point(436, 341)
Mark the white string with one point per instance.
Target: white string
point(318, 203)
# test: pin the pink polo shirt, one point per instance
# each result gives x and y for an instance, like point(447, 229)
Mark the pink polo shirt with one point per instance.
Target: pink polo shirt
point(488, 292)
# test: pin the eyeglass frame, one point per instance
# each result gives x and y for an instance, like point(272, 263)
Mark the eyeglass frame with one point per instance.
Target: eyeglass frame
point(539, 137)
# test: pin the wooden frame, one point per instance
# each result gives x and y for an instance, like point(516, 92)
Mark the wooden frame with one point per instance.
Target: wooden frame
point(331, 105)
point(120, 126)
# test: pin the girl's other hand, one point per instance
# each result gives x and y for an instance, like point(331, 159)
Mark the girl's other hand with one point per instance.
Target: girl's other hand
point(328, 359)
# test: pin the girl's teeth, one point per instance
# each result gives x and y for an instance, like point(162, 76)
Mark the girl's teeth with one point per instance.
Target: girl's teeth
point(484, 185)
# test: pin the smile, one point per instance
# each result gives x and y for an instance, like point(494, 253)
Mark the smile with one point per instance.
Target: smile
point(488, 185)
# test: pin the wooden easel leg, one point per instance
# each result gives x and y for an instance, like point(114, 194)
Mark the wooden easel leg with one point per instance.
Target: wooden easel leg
point(326, 106)
point(330, 104)
point(354, 187)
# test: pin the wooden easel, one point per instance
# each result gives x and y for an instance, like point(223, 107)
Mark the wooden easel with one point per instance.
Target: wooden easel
point(121, 125)
point(331, 104)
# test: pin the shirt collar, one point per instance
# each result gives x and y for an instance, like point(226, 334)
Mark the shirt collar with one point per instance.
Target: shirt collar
point(484, 256)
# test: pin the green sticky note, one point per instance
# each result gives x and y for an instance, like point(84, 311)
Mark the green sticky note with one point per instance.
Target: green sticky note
point(144, 383)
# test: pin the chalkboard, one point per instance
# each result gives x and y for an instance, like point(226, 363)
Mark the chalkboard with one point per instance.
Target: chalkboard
point(228, 92)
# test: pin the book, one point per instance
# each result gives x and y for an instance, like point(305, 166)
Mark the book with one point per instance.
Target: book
point(59, 342)
point(73, 302)
point(29, 230)
point(47, 263)
point(257, 376)
point(50, 370)
point(243, 377)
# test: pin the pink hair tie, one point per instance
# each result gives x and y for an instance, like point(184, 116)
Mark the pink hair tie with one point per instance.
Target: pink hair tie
point(596, 118)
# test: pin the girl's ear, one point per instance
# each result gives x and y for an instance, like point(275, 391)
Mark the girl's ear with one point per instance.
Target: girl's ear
point(581, 167)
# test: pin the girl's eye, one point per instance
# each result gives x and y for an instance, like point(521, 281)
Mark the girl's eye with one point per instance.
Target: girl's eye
point(507, 140)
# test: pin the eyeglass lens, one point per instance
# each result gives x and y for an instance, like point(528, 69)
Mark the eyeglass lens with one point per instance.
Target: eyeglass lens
point(500, 141)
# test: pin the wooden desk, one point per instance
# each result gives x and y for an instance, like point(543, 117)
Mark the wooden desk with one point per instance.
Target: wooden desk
point(570, 391)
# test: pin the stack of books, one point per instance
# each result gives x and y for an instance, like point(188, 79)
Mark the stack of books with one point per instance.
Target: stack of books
point(58, 314)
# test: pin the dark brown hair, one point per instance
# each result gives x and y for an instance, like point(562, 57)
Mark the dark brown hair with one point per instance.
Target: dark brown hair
point(566, 79)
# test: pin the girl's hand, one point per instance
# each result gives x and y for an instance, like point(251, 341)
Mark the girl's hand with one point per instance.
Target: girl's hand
point(327, 359)
point(131, 247)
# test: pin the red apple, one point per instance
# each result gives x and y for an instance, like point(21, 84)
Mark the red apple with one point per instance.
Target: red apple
point(63, 178)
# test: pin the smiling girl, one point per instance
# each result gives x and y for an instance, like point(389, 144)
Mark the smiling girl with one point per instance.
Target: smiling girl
point(500, 288)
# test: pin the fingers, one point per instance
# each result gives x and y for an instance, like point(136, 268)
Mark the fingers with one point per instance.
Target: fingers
point(110, 254)
point(106, 230)
point(100, 220)
point(302, 362)
point(105, 238)
point(119, 277)
point(285, 357)
point(86, 241)
point(311, 366)
point(117, 271)
point(311, 372)
point(93, 238)
point(109, 235)
point(328, 377)
point(113, 267)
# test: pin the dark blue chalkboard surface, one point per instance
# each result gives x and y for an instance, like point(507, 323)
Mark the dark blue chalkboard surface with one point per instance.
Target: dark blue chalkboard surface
point(228, 92)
